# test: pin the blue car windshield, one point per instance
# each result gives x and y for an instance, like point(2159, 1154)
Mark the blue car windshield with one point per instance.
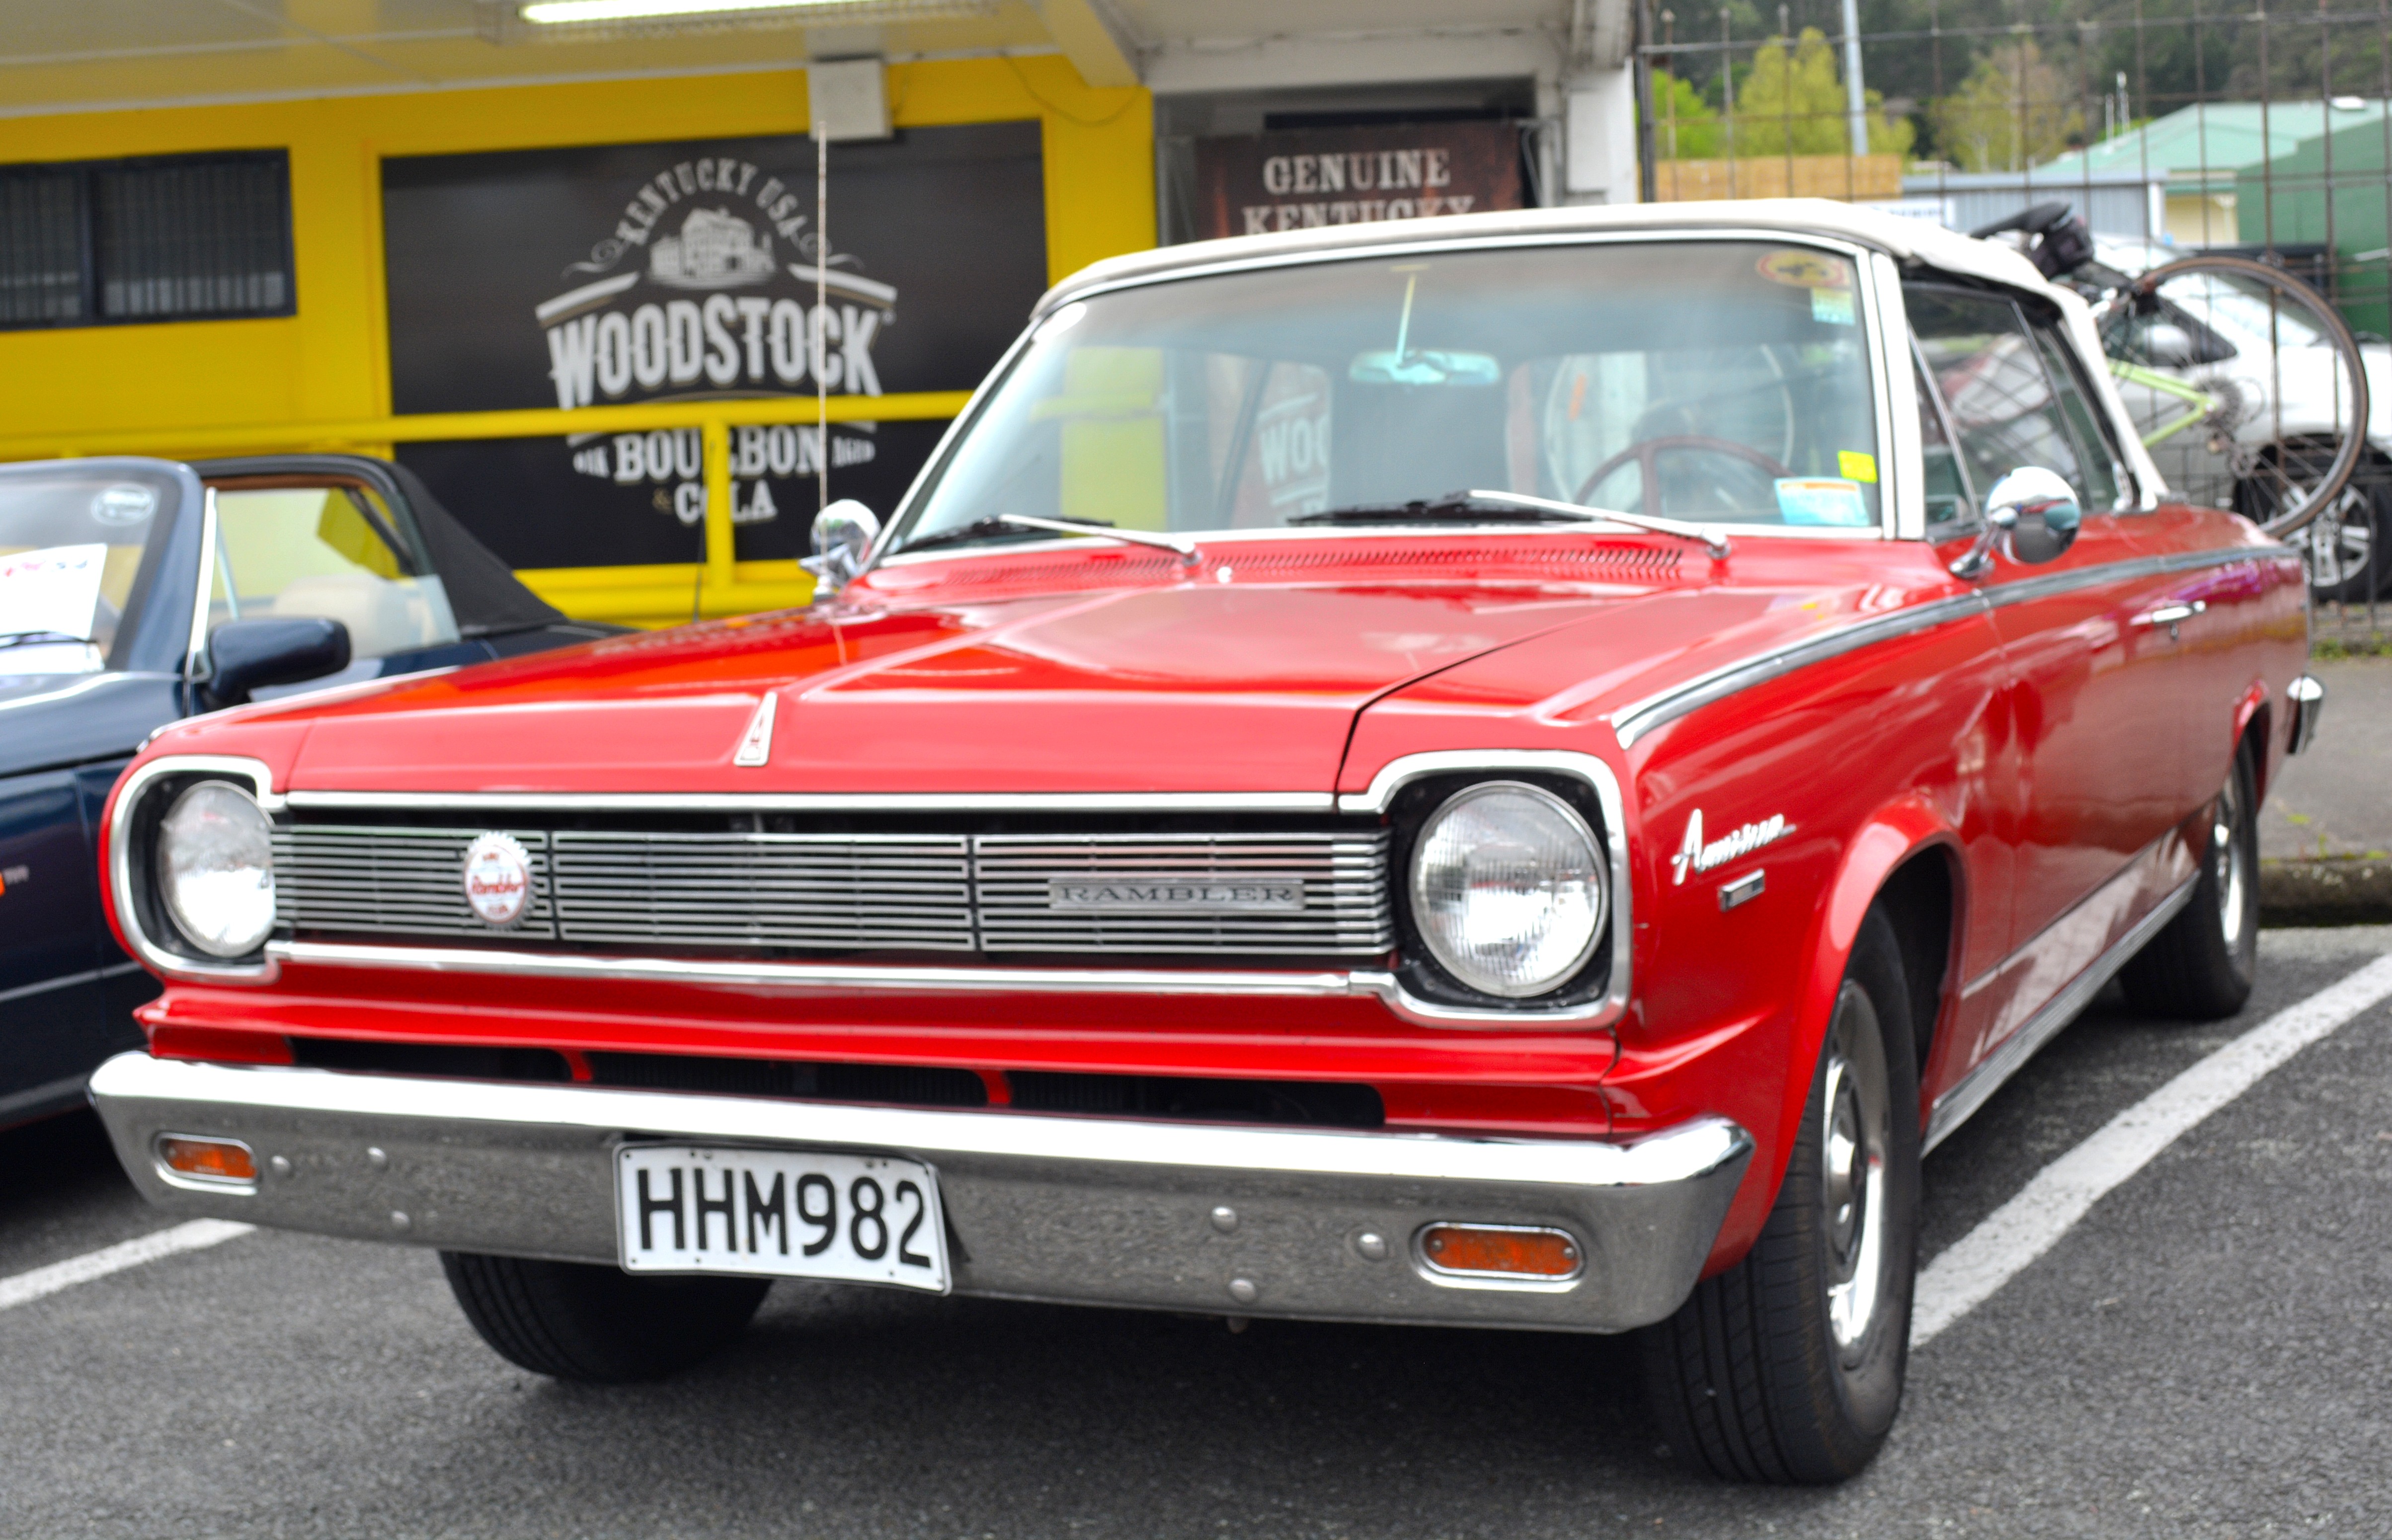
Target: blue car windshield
point(1726, 380)
point(74, 545)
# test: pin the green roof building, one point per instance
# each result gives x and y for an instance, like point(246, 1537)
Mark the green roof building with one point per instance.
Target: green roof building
point(2197, 154)
point(2329, 189)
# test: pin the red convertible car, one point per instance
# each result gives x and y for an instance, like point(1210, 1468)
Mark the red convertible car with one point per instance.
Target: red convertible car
point(1515, 770)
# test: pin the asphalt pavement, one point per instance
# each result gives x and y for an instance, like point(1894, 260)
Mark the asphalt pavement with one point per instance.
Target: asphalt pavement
point(2331, 802)
point(2207, 1354)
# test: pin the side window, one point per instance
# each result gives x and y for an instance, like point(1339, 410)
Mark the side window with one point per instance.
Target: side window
point(2105, 469)
point(1949, 503)
point(1993, 378)
point(327, 551)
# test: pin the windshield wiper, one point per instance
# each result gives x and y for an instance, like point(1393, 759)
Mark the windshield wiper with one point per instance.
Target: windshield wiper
point(29, 639)
point(1006, 523)
point(1475, 504)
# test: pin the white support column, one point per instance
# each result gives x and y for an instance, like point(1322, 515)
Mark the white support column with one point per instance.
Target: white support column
point(1599, 137)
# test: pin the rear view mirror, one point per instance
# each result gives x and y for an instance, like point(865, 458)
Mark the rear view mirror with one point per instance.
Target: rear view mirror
point(1430, 368)
point(245, 655)
point(842, 535)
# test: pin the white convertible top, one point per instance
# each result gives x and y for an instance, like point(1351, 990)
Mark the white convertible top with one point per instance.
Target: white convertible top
point(1906, 240)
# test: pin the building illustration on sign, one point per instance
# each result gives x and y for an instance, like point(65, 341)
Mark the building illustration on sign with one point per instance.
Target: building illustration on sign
point(607, 342)
point(715, 250)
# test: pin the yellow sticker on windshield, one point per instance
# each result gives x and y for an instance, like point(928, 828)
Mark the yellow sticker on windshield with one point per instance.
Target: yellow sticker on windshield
point(1806, 269)
point(1853, 465)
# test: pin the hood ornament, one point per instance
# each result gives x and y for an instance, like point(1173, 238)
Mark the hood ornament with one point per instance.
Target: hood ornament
point(756, 745)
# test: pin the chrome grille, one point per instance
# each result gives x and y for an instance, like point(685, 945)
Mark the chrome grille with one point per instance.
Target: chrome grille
point(1237, 893)
point(400, 881)
point(839, 891)
point(1296, 893)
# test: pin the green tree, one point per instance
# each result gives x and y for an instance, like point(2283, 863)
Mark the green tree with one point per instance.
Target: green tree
point(2014, 111)
point(1794, 104)
point(1685, 127)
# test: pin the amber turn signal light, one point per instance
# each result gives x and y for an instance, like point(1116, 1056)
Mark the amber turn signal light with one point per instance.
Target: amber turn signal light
point(226, 1160)
point(1501, 1251)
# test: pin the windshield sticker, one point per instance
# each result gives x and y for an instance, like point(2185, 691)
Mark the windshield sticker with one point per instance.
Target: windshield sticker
point(1853, 465)
point(1832, 306)
point(1822, 500)
point(1806, 269)
point(49, 600)
point(123, 505)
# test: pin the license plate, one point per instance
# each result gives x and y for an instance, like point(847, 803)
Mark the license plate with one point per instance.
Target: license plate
point(782, 1213)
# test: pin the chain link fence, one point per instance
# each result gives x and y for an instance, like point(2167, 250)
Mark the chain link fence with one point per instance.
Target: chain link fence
point(2170, 129)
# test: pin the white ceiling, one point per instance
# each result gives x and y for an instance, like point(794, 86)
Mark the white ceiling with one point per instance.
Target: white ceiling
point(88, 54)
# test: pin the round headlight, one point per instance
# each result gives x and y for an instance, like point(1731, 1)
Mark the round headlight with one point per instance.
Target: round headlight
point(1508, 889)
point(216, 869)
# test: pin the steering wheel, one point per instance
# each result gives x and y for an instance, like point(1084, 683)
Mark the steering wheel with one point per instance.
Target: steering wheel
point(1646, 452)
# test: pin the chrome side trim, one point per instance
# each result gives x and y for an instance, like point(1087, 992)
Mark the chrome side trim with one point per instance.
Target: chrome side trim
point(1397, 774)
point(1667, 705)
point(1960, 1104)
point(840, 802)
point(260, 779)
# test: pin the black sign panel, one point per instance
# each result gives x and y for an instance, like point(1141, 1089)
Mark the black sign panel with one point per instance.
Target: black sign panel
point(678, 272)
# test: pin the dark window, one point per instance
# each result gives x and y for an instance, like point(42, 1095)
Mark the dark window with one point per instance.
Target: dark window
point(187, 238)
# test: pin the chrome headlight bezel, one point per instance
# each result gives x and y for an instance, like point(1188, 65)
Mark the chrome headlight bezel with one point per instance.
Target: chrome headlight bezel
point(213, 862)
point(139, 806)
point(1584, 958)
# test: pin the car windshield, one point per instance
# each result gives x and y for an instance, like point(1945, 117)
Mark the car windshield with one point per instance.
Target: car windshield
point(1720, 380)
point(71, 550)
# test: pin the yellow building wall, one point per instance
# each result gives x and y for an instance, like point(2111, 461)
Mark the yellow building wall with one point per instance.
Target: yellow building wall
point(330, 362)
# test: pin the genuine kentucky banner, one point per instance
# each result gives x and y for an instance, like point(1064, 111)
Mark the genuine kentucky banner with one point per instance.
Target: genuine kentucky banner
point(678, 272)
point(1298, 179)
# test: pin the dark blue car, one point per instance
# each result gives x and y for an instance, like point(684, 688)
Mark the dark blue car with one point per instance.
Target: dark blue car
point(134, 592)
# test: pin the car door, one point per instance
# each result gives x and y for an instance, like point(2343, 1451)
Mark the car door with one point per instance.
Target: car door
point(2094, 737)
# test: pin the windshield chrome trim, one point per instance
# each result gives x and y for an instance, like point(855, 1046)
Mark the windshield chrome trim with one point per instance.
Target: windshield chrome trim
point(195, 657)
point(883, 552)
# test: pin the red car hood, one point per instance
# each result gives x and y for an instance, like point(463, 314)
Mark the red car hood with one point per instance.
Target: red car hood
point(1196, 686)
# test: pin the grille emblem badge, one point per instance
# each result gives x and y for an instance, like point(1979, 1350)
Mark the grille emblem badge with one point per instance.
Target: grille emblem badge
point(497, 879)
point(1176, 896)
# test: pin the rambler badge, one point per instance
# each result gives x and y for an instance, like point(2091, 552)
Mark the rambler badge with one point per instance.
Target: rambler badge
point(1176, 896)
point(1693, 854)
point(497, 879)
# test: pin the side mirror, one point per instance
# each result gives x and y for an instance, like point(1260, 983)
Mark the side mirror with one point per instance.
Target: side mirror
point(843, 533)
point(250, 655)
point(2169, 346)
point(2033, 512)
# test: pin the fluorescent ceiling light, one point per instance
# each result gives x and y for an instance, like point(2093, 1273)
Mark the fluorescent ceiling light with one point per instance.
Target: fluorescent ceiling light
point(566, 12)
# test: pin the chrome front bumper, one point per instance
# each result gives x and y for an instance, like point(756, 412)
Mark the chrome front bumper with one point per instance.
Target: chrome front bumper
point(1083, 1211)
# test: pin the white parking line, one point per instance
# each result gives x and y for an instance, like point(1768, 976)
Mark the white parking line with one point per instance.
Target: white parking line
point(1966, 1274)
point(25, 1288)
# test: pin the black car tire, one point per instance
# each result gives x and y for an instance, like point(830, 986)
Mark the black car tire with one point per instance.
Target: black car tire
point(2201, 965)
point(596, 1325)
point(1789, 1367)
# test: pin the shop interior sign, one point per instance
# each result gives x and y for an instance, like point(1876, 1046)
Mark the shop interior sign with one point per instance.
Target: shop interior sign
point(626, 274)
point(1301, 178)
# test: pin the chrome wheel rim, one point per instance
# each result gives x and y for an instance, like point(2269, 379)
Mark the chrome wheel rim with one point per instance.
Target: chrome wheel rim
point(2227, 862)
point(1854, 1126)
point(2341, 545)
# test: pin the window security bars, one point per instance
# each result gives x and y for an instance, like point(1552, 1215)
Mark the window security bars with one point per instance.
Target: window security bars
point(187, 238)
